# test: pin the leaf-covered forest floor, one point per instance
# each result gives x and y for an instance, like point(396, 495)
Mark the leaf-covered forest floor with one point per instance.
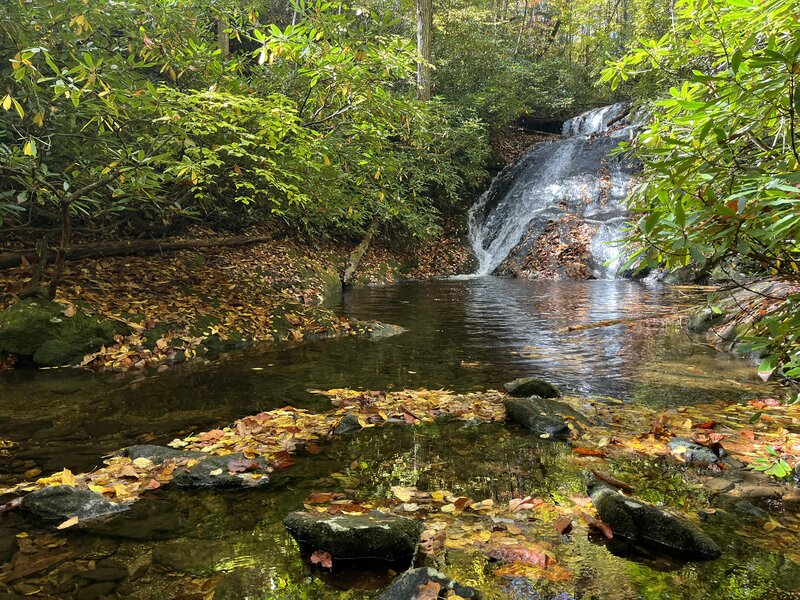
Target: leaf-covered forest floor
point(183, 304)
point(522, 534)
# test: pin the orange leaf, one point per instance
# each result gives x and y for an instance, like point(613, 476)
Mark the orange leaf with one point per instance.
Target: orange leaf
point(588, 452)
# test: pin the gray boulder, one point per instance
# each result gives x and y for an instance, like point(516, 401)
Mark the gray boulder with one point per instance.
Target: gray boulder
point(543, 416)
point(362, 539)
point(61, 502)
point(639, 522)
point(40, 331)
point(407, 586)
point(531, 386)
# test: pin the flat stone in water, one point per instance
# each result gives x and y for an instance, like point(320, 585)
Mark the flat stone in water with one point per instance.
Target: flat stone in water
point(525, 387)
point(363, 539)
point(210, 472)
point(692, 452)
point(213, 472)
point(640, 522)
point(543, 416)
point(62, 502)
point(407, 586)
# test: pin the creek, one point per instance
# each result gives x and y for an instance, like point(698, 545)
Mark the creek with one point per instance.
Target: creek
point(464, 335)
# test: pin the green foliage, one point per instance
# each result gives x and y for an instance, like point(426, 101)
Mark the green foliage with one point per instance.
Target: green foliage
point(721, 155)
point(776, 465)
point(129, 113)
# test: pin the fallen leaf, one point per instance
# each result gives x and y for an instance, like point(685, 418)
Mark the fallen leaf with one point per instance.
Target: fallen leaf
point(322, 559)
point(588, 452)
point(563, 525)
point(72, 521)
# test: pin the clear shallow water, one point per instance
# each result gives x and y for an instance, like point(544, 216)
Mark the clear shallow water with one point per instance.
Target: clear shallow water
point(463, 335)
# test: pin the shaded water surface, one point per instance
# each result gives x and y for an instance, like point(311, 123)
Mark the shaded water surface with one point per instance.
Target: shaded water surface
point(463, 335)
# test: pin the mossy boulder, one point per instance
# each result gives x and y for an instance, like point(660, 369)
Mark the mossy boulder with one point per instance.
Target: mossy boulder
point(41, 331)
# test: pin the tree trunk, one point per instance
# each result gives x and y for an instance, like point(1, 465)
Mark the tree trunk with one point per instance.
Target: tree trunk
point(358, 253)
point(9, 260)
point(63, 247)
point(223, 39)
point(424, 29)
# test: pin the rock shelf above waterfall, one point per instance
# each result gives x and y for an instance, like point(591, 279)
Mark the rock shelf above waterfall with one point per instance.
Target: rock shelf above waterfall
point(556, 212)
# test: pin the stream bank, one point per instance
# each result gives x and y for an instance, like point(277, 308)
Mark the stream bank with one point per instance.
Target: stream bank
point(123, 313)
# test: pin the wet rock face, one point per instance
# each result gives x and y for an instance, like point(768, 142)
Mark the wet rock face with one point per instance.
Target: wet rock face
point(213, 472)
point(40, 331)
point(361, 540)
point(58, 503)
point(642, 523)
point(542, 416)
point(524, 387)
point(412, 584)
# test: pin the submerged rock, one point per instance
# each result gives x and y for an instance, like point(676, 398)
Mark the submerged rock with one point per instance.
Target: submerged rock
point(362, 539)
point(692, 452)
point(375, 330)
point(639, 522)
point(410, 586)
point(61, 502)
point(39, 330)
point(543, 416)
point(525, 387)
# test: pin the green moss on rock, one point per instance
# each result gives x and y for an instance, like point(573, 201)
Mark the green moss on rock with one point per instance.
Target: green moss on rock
point(39, 330)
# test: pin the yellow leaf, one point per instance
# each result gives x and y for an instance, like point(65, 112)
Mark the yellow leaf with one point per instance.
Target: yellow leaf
point(404, 494)
point(142, 463)
point(72, 521)
point(448, 508)
point(771, 525)
point(215, 472)
point(67, 478)
point(29, 149)
point(7, 102)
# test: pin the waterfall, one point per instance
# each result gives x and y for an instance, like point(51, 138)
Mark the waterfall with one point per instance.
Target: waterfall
point(569, 189)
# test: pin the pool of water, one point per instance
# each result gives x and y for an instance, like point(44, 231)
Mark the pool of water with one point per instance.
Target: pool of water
point(463, 335)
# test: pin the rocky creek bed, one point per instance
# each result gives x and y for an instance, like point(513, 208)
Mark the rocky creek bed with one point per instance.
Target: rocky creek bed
point(611, 498)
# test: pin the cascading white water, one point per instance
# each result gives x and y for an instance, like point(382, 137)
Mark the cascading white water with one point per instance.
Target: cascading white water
point(571, 178)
